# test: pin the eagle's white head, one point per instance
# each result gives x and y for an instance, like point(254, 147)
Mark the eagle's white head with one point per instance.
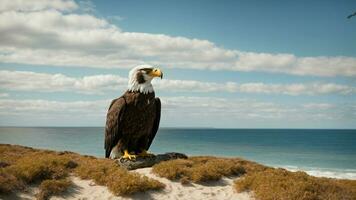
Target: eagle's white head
point(141, 76)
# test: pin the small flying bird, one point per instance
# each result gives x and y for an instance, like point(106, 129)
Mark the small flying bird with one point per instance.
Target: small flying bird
point(349, 17)
point(133, 119)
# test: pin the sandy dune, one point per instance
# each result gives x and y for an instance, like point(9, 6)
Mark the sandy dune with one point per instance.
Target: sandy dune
point(87, 190)
point(175, 190)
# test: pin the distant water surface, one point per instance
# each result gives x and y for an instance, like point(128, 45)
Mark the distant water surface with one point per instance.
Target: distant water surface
point(329, 153)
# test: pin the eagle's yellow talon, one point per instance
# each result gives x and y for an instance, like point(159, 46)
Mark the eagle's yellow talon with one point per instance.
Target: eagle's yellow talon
point(129, 156)
point(144, 153)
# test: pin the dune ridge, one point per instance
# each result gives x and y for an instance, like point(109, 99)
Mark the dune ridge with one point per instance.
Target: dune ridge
point(27, 173)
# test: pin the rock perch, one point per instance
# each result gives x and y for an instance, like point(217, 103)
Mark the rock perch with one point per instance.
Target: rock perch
point(142, 162)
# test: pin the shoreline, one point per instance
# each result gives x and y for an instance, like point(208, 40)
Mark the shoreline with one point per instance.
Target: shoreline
point(349, 174)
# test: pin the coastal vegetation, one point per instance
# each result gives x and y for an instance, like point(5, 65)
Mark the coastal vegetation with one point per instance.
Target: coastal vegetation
point(265, 183)
point(199, 169)
point(21, 167)
point(278, 184)
point(50, 171)
point(118, 180)
point(53, 187)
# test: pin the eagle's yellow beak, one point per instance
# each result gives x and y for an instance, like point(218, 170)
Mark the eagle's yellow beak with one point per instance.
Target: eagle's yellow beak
point(156, 73)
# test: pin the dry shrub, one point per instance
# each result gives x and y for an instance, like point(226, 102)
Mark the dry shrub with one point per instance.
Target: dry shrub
point(250, 166)
point(40, 166)
point(11, 153)
point(43, 167)
point(266, 183)
point(21, 165)
point(52, 187)
point(96, 169)
point(9, 182)
point(118, 180)
point(130, 183)
point(278, 184)
point(198, 169)
point(173, 169)
point(4, 164)
point(50, 169)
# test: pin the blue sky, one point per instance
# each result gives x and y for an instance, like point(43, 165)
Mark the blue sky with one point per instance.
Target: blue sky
point(304, 28)
point(233, 64)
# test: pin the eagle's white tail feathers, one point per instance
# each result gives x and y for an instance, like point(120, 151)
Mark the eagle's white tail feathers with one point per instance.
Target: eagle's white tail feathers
point(115, 153)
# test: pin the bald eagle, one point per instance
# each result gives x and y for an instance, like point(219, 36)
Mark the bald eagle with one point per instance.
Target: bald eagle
point(133, 119)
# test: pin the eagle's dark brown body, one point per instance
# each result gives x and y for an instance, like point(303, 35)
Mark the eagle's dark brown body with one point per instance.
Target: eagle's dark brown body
point(132, 122)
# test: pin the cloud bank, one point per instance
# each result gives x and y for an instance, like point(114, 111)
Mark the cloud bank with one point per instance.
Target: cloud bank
point(226, 110)
point(55, 33)
point(99, 84)
point(43, 82)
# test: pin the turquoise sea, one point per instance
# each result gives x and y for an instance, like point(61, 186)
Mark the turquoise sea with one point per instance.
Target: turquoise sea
point(330, 153)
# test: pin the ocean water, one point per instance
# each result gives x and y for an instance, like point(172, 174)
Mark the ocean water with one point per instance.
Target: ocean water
point(330, 153)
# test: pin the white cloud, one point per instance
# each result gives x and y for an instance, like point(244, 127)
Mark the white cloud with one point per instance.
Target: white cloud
point(228, 111)
point(319, 106)
point(43, 112)
point(55, 37)
point(52, 107)
point(98, 84)
point(233, 111)
point(222, 107)
point(26, 5)
point(42, 82)
point(257, 87)
point(297, 89)
point(4, 95)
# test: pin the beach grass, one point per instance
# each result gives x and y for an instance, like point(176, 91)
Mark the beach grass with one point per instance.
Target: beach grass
point(50, 171)
point(198, 169)
point(24, 166)
point(52, 187)
point(280, 184)
point(264, 183)
point(118, 180)
point(9, 183)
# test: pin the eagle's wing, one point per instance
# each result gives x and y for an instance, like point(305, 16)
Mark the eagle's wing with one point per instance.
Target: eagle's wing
point(155, 123)
point(113, 128)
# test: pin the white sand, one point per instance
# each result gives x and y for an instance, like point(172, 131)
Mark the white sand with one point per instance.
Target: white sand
point(175, 190)
point(87, 190)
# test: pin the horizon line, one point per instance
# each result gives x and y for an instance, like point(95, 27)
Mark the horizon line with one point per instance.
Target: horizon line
point(183, 127)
